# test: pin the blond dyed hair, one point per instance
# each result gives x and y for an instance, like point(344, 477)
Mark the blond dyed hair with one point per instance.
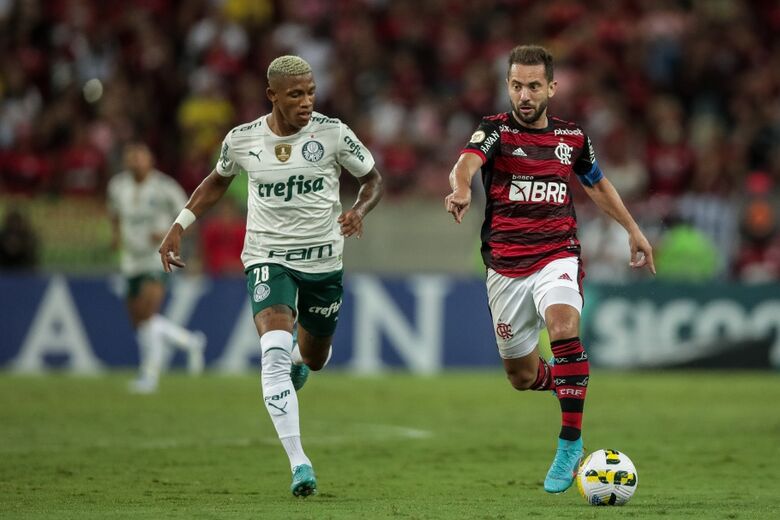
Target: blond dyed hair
point(288, 66)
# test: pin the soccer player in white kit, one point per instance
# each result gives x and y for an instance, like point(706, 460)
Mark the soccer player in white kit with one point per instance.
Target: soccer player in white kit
point(142, 201)
point(295, 236)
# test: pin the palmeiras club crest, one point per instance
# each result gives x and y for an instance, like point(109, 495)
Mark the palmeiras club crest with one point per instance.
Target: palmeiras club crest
point(261, 292)
point(283, 151)
point(312, 151)
point(504, 331)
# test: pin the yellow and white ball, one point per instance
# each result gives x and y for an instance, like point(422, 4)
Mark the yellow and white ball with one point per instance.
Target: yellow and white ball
point(607, 478)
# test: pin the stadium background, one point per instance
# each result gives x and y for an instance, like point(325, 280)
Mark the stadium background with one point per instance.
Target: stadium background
point(682, 102)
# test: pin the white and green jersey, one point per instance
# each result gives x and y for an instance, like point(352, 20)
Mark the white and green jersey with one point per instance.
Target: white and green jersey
point(144, 210)
point(294, 190)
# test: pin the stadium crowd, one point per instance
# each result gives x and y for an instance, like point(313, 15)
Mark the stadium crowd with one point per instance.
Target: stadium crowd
point(680, 98)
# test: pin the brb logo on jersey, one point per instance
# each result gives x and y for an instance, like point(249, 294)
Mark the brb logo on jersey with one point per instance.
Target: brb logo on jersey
point(529, 191)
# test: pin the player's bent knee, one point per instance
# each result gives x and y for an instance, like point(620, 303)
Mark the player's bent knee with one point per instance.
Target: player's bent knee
point(563, 329)
point(521, 380)
point(315, 350)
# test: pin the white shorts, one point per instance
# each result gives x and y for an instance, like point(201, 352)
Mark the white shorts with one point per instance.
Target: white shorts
point(517, 305)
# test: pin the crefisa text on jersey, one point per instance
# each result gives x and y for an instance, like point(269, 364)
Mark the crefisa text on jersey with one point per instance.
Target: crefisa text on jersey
point(295, 185)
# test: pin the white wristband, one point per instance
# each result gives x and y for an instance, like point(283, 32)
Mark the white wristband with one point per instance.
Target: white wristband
point(185, 218)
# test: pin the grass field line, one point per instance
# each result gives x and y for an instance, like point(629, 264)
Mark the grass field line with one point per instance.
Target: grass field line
point(353, 432)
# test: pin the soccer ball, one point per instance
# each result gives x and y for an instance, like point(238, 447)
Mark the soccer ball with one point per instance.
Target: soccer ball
point(607, 478)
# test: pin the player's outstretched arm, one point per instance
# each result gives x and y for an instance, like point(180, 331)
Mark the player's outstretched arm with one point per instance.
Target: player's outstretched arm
point(457, 203)
point(371, 190)
point(210, 190)
point(607, 198)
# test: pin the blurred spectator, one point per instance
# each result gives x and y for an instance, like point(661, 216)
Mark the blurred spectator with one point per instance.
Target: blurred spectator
point(20, 104)
point(686, 254)
point(222, 239)
point(759, 252)
point(606, 257)
point(206, 114)
point(18, 243)
point(670, 159)
point(24, 170)
point(250, 12)
point(401, 163)
point(81, 168)
point(652, 80)
point(621, 163)
point(715, 217)
point(219, 42)
point(193, 166)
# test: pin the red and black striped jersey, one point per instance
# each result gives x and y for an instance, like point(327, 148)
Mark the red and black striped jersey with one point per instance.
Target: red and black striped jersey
point(529, 216)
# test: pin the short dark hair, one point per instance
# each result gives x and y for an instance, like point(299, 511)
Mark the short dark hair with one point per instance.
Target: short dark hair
point(532, 55)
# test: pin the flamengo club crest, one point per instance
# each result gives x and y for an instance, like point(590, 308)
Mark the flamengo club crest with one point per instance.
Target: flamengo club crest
point(504, 331)
point(563, 153)
point(283, 151)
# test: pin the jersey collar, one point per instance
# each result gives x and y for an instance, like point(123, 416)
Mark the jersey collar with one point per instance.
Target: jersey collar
point(514, 124)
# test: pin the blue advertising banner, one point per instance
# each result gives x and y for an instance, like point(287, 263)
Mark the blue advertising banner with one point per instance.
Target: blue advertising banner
point(419, 323)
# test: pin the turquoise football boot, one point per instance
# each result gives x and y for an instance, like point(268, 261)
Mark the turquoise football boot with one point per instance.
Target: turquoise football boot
point(303, 481)
point(298, 373)
point(564, 466)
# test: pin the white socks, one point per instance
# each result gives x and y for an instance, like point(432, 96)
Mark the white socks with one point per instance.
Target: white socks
point(173, 333)
point(279, 396)
point(155, 334)
point(152, 351)
point(294, 449)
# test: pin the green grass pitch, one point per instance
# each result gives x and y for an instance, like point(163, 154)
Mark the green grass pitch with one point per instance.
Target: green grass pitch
point(456, 445)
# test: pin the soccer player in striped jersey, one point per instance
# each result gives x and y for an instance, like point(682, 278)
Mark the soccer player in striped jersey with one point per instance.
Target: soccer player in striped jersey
point(529, 241)
point(294, 236)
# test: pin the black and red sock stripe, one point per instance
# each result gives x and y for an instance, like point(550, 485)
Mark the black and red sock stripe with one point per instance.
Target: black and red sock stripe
point(570, 374)
point(544, 378)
